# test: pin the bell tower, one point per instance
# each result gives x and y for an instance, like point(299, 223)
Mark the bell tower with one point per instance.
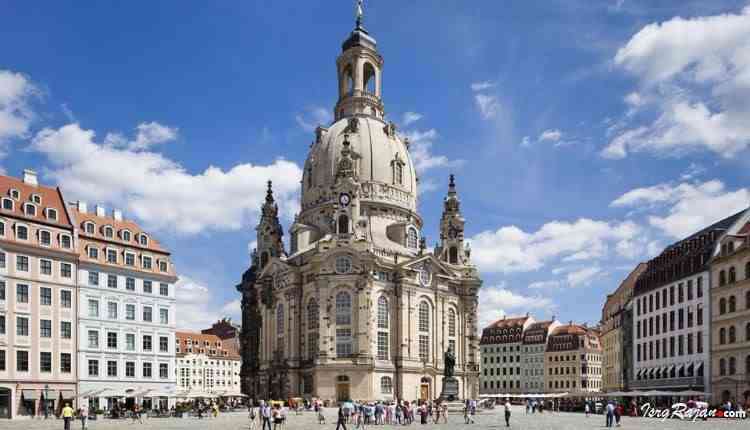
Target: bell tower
point(451, 249)
point(359, 69)
point(269, 230)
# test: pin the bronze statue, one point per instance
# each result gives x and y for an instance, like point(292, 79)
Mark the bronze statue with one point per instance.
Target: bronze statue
point(450, 362)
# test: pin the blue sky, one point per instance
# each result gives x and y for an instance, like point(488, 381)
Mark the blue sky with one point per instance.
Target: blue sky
point(585, 136)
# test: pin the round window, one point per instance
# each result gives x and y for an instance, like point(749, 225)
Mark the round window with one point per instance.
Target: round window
point(343, 264)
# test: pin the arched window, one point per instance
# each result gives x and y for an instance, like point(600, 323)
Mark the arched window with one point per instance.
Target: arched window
point(386, 385)
point(263, 259)
point(732, 334)
point(732, 365)
point(89, 227)
point(747, 270)
point(732, 304)
point(348, 80)
point(411, 238)
point(109, 232)
point(22, 232)
point(722, 278)
point(312, 328)
point(451, 322)
point(722, 306)
point(280, 320)
point(369, 78)
point(45, 238)
point(732, 275)
point(343, 308)
point(747, 300)
point(383, 313)
point(722, 336)
point(343, 224)
point(747, 332)
point(424, 316)
point(453, 255)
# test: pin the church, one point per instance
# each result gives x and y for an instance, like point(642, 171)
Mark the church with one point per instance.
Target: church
point(357, 307)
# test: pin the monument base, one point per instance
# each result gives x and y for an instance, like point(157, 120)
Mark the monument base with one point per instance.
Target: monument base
point(450, 389)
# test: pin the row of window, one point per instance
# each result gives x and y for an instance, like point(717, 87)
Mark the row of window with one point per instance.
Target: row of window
point(113, 256)
point(30, 208)
point(729, 335)
point(130, 346)
point(506, 384)
point(506, 359)
point(678, 346)
point(655, 301)
point(45, 327)
point(45, 295)
point(730, 305)
point(113, 282)
point(113, 312)
point(730, 276)
point(45, 361)
point(89, 227)
point(506, 371)
point(44, 237)
point(653, 326)
point(45, 266)
point(729, 366)
point(113, 369)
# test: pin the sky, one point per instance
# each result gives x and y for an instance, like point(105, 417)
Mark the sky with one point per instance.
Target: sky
point(585, 135)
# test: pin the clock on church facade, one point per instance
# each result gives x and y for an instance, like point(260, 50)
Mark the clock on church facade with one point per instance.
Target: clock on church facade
point(357, 307)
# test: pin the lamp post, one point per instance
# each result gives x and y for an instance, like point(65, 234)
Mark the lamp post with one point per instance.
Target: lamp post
point(46, 403)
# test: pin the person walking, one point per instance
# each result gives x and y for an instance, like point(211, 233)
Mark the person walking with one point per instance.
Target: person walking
point(83, 414)
point(341, 420)
point(67, 414)
point(618, 414)
point(587, 409)
point(265, 416)
point(610, 414)
point(252, 416)
point(507, 412)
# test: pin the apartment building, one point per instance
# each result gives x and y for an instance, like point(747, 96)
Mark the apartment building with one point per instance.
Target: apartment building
point(500, 347)
point(127, 313)
point(573, 360)
point(534, 347)
point(38, 298)
point(207, 365)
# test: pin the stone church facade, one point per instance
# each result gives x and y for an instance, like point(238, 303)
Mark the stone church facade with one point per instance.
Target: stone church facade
point(357, 307)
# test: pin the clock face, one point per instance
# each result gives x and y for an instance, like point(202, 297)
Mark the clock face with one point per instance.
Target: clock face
point(344, 199)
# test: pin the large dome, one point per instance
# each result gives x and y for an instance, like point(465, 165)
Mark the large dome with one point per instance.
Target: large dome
point(383, 164)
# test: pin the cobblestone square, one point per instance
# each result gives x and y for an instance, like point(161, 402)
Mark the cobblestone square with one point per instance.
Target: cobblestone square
point(486, 420)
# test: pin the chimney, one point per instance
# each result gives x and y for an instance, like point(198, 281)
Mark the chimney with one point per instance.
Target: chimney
point(100, 211)
point(117, 215)
point(82, 207)
point(29, 177)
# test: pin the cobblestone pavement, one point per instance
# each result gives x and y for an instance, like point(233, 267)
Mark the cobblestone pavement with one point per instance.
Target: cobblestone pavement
point(486, 420)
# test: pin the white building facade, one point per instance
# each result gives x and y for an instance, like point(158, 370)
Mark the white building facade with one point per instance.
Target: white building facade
point(502, 350)
point(671, 317)
point(534, 346)
point(207, 365)
point(126, 317)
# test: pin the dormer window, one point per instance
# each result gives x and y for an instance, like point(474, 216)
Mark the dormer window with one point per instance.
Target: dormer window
point(22, 232)
point(93, 253)
point(89, 227)
point(109, 232)
point(15, 194)
point(125, 235)
point(29, 209)
point(7, 204)
point(143, 240)
point(146, 262)
point(51, 214)
point(36, 198)
point(129, 259)
point(162, 266)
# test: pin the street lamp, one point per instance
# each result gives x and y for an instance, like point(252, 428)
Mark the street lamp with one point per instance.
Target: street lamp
point(46, 402)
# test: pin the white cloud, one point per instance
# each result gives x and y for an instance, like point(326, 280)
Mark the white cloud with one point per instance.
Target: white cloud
point(313, 117)
point(584, 276)
point(488, 105)
point(411, 117)
point(685, 208)
point(420, 148)
point(526, 141)
point(196, 307)
point(544, 285)
point(510, 249)
point(694, 74)
point(551, 135)
point(482, 86)
point(152, 133)
point(16, 115)
point(498, 301)
point(159, 191)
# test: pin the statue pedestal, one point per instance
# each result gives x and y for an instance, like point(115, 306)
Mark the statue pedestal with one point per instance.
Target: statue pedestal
point(450, 389)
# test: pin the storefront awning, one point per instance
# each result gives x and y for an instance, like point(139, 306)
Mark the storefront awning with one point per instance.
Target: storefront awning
point(30, 394)
point(67, 394)
point(50, 394)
